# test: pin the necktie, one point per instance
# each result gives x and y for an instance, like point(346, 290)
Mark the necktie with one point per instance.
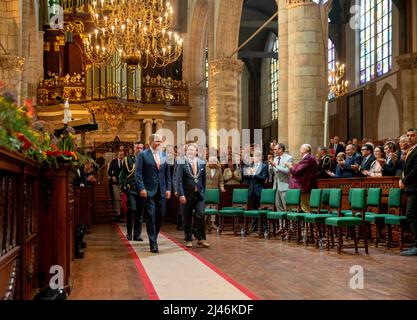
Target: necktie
point(195, 168)
point(156, 157)
point(118, 162)
point(279, 160)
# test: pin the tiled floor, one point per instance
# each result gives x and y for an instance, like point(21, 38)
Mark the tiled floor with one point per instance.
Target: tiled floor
point(271, 269)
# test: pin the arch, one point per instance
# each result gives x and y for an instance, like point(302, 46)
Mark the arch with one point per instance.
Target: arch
point(388, 113)
point(227, 27)
point(194, 63)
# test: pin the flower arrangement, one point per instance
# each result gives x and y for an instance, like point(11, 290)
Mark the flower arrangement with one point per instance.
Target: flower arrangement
point(20, 132)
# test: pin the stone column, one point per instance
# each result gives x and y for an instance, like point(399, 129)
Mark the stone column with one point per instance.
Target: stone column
point(159, 123)
point(307, 76)
point(283, 72)
point(223, 94)
point(148, 129)
point(408, 74)
point(197, 103)
point(139, 130)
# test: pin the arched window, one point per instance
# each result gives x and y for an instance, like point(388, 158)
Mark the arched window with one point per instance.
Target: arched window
point(332, 61)
point(375, 39)
point(274, 76)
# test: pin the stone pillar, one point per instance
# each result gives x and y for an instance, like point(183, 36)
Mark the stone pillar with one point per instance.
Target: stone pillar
point(148, 129)
point(159, 123)
point(197, 103)
point(408, 74)
point(223, 94)
point(283, 72)
point(307, 76)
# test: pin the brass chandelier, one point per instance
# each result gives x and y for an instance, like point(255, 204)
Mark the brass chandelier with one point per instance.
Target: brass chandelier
point(138, 29)
point(337, 88)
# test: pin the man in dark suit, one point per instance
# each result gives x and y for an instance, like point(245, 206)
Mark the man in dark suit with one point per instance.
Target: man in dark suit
point(191, 188)
point(337, 147)
point(255, 175)
point(113, 172)
point(408, 182)
point(153, 180)
point(367, 158)
point(350, 166)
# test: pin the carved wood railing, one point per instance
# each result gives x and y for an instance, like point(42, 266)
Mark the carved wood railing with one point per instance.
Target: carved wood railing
point(18, 226)
point(385, 183)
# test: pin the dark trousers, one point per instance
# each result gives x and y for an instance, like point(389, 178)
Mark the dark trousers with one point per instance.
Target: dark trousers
point(179, 214)
point(412, 214)
point(134, 214)
point(155, 212)
point(255, 203)
point(194, 202)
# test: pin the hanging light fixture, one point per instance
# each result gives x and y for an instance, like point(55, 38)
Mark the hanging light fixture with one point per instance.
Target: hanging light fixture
point(98, 47)
point(337, 88)
point(138, 29)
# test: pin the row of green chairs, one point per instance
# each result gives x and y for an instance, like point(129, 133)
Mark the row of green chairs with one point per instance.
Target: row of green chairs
point(325, 219)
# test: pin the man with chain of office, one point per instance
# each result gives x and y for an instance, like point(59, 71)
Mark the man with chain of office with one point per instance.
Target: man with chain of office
point(191, 184)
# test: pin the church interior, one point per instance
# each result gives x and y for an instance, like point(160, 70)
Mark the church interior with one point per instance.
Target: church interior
point(84, 83)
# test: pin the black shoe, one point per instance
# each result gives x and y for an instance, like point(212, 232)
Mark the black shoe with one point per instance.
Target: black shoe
point(137, 239)
point(129, 237)
point(154, 249)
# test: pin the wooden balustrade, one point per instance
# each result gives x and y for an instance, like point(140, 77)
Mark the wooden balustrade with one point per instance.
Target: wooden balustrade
point(385, 183)
point(18, 226)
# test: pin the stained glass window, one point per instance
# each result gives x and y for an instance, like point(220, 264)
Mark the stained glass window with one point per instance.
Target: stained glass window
point(375, 39)
point(274, 73)
point(332, 61)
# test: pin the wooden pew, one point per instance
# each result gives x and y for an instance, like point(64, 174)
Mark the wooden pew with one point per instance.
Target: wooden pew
point(19, 190)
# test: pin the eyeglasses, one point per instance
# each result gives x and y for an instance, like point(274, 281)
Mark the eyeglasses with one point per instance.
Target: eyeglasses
point(364, 149)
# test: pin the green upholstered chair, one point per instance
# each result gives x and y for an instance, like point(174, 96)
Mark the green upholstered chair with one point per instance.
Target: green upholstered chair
point(212, 202)
point(331, 199)
point(297, 218)
point(292, 203)
point(267, 204)
point(348, 212)
point(394, 220)
point(239, 205)
point(358, 204)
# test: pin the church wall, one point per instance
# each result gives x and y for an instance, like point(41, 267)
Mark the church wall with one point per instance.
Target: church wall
point(245, 98)
point(371, 91)
point(266, 112)
point(19, 35)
